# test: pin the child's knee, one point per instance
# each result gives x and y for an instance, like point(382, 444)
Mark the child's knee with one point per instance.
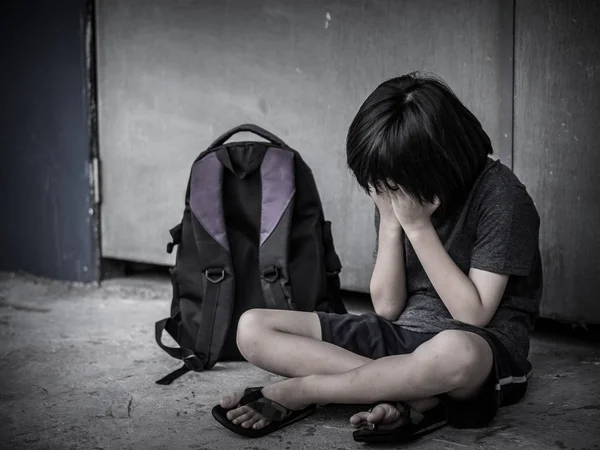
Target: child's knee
point(464, 357)
point(251, 325)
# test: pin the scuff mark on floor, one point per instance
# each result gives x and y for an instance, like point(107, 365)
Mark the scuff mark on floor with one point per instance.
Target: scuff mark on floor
point(490, 432)
point(27, 308)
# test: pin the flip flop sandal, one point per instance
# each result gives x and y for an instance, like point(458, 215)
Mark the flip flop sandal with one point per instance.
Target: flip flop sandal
point(279, 415)
point(415, 426)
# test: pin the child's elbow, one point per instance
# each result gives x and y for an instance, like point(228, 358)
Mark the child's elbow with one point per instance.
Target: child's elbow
point(477, 322)
point(480, 320)
point(384, 307)
point(389, 312)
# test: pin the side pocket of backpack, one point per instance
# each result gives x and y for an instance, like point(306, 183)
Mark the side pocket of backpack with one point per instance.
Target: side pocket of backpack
point(175, 289)
point(173, 323)
point(188, 286)
point(179, 332)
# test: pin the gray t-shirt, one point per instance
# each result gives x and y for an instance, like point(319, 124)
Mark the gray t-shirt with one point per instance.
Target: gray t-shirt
point(497, 230)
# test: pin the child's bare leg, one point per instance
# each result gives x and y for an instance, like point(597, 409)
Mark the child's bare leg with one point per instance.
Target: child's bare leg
point(453, 362)
point(289, 343)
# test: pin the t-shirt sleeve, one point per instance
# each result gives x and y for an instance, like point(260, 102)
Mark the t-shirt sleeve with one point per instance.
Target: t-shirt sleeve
point(507, 233)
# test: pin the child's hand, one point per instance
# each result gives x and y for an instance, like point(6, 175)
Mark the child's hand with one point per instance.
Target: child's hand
point(386, 210)
point(412, 214)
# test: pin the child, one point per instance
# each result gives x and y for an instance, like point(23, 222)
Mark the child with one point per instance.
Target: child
point(456, 285)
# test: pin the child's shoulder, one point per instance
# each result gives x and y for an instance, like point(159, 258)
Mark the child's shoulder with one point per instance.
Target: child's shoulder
point(498, 183)
point(501, 198)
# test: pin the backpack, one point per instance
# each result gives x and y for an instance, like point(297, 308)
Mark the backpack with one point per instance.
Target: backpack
point(253, 235)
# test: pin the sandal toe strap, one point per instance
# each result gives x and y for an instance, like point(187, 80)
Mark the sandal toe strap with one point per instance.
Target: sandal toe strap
point(268, 408)
point(406, 412)
point(414, 416)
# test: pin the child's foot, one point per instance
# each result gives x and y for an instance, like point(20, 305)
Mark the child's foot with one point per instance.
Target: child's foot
point(387, 417)
point(287, 393)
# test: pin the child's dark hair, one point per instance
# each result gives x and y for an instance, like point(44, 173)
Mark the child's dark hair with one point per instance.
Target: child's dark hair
point(413, 132)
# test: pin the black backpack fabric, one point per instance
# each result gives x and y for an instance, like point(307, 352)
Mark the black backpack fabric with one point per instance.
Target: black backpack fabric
point(253, 235)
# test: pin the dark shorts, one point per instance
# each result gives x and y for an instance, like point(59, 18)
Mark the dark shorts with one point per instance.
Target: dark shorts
point(374, 337)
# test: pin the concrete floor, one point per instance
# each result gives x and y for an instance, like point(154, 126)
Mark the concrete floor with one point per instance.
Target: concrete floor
point(78, 366)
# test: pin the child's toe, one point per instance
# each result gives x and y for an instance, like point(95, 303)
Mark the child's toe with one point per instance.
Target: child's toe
point(260, 424)
point(237, 412)
point(244, 417)
point(249, 423)
point(231, 400)
point(378, 413)
point(359, 419)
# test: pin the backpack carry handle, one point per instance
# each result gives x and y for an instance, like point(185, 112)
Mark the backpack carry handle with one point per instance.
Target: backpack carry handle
point(250, 128)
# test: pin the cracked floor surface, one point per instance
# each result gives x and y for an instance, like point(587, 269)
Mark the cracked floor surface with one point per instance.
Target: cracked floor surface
point(78, 366)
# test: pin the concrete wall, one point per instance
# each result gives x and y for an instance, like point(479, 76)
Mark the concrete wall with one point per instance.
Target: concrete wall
point(172, 75)
point(45, 224)
point(557, 145)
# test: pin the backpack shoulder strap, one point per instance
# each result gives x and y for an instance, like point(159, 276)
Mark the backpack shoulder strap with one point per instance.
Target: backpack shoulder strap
point(205, 197)
point(277, 207)
point(206, 188)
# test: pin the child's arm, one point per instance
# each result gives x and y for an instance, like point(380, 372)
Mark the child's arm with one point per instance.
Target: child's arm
point(506, 240)
point(471, 299)
point(388, 284)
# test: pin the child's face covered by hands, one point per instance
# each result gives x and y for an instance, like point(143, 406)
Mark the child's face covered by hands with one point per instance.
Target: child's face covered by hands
point(411, 213)
point(384, 204)
point(397, 208)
